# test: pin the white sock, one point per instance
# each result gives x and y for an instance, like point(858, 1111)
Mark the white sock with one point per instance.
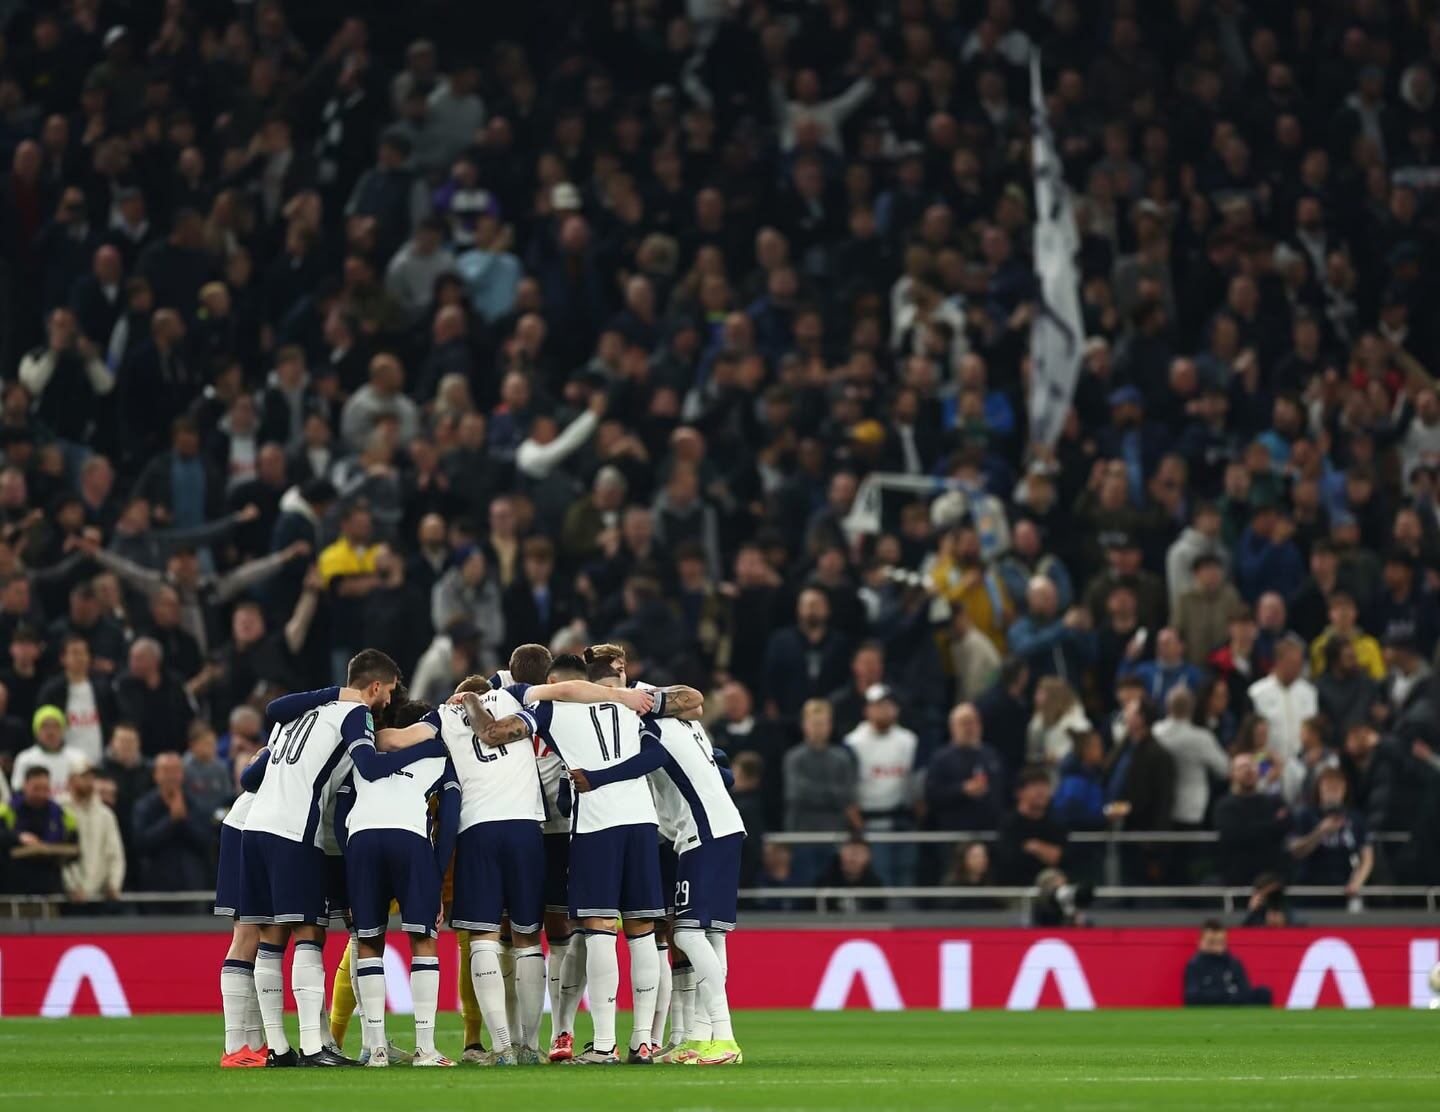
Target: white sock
point(490, 990)
point(554, 967)
point(507, 976)
point(270, 990)
point(662, 996)
point(644, 976)
point(368, 976)
point(237, 990)
point(530, 993)
point(354, 980)
point(572, 983)
point(602, 969)
point(717, 943)
point(307, 985)
point(425, 990)
point(682, 999)
point(709, 981)
point(254, 1025)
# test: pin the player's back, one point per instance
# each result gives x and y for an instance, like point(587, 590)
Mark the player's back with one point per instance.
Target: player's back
point(692, 785)
point(497, 782)
point(306, 762)
point(594, 736)
point(399, 801)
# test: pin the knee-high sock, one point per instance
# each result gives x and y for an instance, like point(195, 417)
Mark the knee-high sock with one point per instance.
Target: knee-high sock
point(370, 991)
point(709, 980)
point(270, 988)
point(469, 1006)
point(554, 967)
point(644, 973)
point(530, 992)
point(507, 977)
point(307, 985)
point(425, 991)
point(662, 995)
point(237, 989)
point(682, 998)
point(602, 969)
point(343, 997)
point(572, 983)
point(254, 1026)
point(489, 989)
point(717, 943)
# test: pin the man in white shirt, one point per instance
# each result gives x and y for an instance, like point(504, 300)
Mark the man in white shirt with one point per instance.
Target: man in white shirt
point(1198, 758)
point(49, 752)
point(884, 754)
point(1285, 698)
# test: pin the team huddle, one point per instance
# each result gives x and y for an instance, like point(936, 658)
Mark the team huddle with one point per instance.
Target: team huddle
point(551, 797)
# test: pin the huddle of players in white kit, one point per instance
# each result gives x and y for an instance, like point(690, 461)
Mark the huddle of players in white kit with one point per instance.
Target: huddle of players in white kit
point(579, 806)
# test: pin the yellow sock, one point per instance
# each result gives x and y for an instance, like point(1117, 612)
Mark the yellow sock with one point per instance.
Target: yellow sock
point(469, 1006)
point(342, 1000)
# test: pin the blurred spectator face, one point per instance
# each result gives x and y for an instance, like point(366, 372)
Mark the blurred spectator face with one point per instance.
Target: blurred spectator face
point(247, 625)
point(358, 526)
point(75, 657)
point(812, 611)
point(1169, 648)
point(854, 860)
point(735, 702)
point(1270, 612)
point(203, 746)
point(1033, 798)
point(36, 789)
point(867, 667)
point(882, 713)
point(473, 569)
point(1289, 661)
point(169, 772)
point(775, 860)
point(1041, 598)
point(124, 747)
point(1342, 614)
point(1214, 941)
point(1330, 789)
point(144, 660)
point(51, 734)
point(816, 722)
point(965, 726)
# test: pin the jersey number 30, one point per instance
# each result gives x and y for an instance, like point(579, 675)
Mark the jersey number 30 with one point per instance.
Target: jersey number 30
point(292, 742)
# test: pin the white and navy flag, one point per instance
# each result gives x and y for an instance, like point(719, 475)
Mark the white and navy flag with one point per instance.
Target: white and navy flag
point(1057, 333)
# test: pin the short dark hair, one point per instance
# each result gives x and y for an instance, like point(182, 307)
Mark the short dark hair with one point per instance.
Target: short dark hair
point(603, 662)
point(477, 684)
point(408, 713)
point(753, 764)
point(1212, 925)
point(1031, 774)
point(371, 666)
point(530, 663)
point(36, 770)
point(567, 663)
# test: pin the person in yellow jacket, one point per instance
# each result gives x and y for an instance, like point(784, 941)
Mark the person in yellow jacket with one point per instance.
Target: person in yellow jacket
point(958, 575)
point(1344, 616)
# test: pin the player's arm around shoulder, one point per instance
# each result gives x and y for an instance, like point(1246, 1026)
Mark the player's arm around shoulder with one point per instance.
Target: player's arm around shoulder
point(678, 701)
point(492, 731)
point(640, 700)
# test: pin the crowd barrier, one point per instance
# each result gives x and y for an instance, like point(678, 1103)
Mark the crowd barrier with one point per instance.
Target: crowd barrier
point(822, 969)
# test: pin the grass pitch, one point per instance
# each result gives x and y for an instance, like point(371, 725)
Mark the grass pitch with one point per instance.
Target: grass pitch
point(794, 1060)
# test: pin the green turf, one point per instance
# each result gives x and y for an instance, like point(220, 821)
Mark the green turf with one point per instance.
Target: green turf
point(794, 1060)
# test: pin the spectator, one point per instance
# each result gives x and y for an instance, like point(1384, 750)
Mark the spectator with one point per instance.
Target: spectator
point(208, 779)
point(1331, 842)
point(1200, 538)
point(1198, 759)
point(821, 789)
point(867, 668)
point(126, 768)
point(776, 872)
point(1343, 627)
point(1252, 825)
point(805, 661)
point(1052, 645)
point(84, 696)
point(1344, 691)
point(153, 699)
point(98, 873)
point(49, 752)
point(469, 594)
point(1202, 613)
point(1215, 976)
point(380, 400)
point(1058, 720)
point(1285, 699)
point(965, 782)
point(1004, 713)
point(38, 835)
point(172, 838)
point(852, 867)
point(1167, 671)
point(884, 753)
point(1030, 837)
point(1142, 787)
point(1079, 800)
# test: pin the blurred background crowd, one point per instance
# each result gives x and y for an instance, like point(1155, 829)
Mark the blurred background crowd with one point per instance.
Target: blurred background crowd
point(443, 327)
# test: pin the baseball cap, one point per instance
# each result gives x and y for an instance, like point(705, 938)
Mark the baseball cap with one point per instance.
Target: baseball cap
point(564, 197)
point(878, 693)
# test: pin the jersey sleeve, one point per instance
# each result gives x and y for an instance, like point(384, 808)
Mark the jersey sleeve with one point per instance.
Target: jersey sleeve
point(287, 708)
point(433, 718)
point(538, 717)
point(254, 774)
point(358, 727)
point(447, 818)
point(519, 691)
point(652, 755)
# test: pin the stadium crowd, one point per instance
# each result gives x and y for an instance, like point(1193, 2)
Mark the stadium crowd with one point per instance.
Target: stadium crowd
point(442, 329)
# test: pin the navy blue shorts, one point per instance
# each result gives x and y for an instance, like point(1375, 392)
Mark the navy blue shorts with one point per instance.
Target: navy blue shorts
point(337, 888)
point(499, 869)
point(227, 874)
point(707, 884)
point(669, 869)
point(385, 865)
point(615, 873)
point(281, 881)
point(557, 873)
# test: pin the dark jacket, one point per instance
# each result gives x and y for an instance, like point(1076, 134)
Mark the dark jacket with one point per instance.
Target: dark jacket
point(1252, 836)
point(174, 854)
point(948, 805)
point(797, 669)
point(1220, 979)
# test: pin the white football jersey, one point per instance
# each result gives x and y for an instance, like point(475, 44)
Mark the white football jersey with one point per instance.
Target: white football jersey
point(235, 817)
point(497, 782)
point(591, 736)
point(307, 763)
point(552, 768)
point(399, 801)
point(691, 786)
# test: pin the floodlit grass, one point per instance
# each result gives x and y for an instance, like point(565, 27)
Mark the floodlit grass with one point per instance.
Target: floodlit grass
point(794, 1060)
